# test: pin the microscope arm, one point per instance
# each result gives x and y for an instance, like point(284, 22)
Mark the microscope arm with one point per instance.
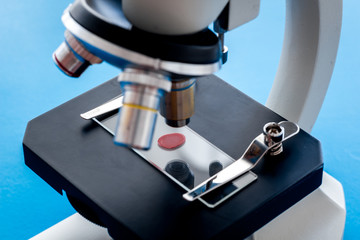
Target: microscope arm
point(312, 34)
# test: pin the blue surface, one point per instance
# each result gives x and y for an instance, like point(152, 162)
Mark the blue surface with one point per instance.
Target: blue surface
point(30, 85)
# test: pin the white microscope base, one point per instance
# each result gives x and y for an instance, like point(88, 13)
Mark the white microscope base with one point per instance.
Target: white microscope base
point(320, 215)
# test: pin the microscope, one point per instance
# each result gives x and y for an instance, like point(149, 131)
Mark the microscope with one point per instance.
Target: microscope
point(232, 155)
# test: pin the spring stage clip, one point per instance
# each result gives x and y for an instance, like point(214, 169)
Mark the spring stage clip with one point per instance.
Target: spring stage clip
point(270, 141)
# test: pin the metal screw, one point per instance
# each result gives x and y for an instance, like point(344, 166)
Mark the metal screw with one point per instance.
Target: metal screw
point(274, 134)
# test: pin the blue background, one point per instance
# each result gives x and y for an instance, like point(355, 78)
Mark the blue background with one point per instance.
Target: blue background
point(30, 85)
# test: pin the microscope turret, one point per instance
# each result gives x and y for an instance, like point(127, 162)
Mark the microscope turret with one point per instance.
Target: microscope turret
point(161, 51)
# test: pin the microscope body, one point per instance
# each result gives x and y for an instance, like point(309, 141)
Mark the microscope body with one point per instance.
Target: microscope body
point(162, 47)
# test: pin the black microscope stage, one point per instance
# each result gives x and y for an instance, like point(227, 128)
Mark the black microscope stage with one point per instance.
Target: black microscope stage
point(117, 188)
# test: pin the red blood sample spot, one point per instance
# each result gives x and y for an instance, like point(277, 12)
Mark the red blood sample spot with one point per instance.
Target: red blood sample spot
point(171, 141)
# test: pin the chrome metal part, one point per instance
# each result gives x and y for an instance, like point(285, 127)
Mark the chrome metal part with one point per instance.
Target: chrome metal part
point(177, 106)
point(145, 77)
point(252, 156)
point(225, 53)
point(274, 134)
point(135, 127)
point(142, 91)
point(224, 48)
point(72, 57)
point(112, 50)
point(221, 34)
point(107, 107)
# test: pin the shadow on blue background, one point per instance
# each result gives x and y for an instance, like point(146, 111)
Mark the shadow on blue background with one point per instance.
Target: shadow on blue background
point(30, 85)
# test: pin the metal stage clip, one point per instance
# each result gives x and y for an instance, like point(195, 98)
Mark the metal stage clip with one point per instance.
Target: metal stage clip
point(271, 139)
point(107, 107)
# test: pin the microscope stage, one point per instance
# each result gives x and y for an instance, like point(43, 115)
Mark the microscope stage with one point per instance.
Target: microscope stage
point(134, 200)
